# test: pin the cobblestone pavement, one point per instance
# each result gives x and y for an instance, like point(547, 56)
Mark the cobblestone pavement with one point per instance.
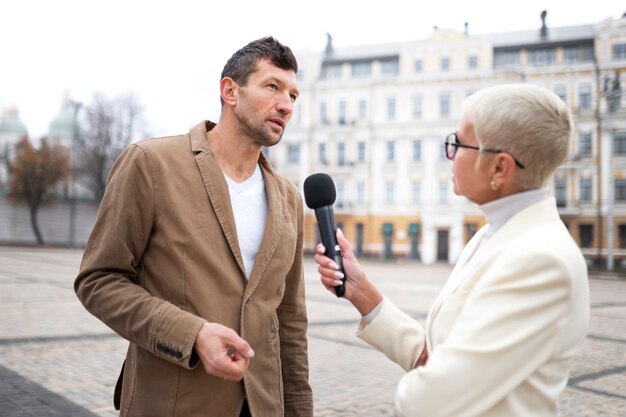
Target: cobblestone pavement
point(57, 360)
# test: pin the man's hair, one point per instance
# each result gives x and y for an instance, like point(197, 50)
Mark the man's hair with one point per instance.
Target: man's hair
point(243, 62)
point(531, 123)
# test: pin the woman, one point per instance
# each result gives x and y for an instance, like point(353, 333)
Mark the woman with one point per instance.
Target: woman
point(501, 336)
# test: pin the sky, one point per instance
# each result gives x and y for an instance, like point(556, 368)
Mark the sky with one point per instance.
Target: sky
point(170, 54)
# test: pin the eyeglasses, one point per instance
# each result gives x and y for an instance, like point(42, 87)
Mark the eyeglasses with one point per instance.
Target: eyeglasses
point(452, 144)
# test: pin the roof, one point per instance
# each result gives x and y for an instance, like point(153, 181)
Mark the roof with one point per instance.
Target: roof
point(556, 35)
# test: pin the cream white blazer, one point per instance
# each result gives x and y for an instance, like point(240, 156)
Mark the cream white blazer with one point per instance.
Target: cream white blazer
point(502, 333)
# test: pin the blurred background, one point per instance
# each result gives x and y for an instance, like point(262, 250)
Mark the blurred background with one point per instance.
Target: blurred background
point(382, 85)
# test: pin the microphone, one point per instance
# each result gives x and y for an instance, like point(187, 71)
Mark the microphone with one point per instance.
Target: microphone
point(319, 195)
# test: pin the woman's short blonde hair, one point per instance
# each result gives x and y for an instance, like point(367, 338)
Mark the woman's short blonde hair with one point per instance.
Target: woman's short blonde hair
point(531, 123)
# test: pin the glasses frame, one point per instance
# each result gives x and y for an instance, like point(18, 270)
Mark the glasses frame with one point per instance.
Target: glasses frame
point(455, 145)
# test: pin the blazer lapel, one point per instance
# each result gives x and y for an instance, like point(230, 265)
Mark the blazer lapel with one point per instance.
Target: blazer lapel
point(456, 276)
point(274, 225)
point(217, 188)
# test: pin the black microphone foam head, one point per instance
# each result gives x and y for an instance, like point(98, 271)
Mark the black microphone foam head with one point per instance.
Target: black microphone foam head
point(319, 190)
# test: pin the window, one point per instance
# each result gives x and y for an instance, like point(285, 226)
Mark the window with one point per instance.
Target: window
point(585, 190)
point(620, 190)
point(389, 192)
point(580, 53)
point(418, 65)
point(561, 91)
point(341, 194)
point(360, 192)
point(362, 109)
point(293, 153)
point(560, 192)
point(622, 236)
point(361, 151)
point(391, 108)
point(361, 69)
point(619, 143)
point(337, 70)
point(472, 62)
point(443, 192)
point(321, 152)
point(444, 105)
point(391, 151)
point(619, 51)
point(445, 64)
point(416, 191)
point(584, 96)
point(571, 54)
point(586, 235)
point(506, 58)
point(417, 150)
point(541, 56)
point(417, 107)
point(584, 144)
point(343, 110)
point(390, 67)
point(341, 153)
point(323, 113)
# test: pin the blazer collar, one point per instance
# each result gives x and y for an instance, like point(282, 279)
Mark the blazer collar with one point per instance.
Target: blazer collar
point(541, 212)
point(219, 197)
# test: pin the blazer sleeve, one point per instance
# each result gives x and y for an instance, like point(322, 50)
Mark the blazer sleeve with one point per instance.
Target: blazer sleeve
point(292, 318)
point(507, 328)
point(395, 334)
point(108, 280)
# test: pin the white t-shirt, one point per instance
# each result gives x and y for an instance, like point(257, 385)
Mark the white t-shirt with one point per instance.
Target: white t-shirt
point(249, 202)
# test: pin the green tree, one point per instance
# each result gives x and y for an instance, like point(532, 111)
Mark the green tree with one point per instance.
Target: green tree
point(36, 175)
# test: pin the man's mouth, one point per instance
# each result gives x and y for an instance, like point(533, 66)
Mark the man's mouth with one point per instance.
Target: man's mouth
point(278, 121)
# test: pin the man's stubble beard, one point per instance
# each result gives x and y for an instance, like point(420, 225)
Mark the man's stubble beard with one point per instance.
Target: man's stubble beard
point(259, 133)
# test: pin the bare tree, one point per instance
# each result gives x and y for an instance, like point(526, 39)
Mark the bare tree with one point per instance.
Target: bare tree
point(105, 128)
point(36, 175)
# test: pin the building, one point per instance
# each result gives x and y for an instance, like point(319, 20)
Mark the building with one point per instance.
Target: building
point(375, 117)
point(11, 131)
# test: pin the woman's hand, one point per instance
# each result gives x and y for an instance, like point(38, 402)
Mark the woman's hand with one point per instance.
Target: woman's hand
point(359, 291)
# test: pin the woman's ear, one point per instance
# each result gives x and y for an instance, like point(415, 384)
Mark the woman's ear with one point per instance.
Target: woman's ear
point(229, 90)
point(504, 167)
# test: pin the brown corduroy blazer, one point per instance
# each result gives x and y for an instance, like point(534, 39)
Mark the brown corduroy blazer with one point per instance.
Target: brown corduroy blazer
point(164, 257)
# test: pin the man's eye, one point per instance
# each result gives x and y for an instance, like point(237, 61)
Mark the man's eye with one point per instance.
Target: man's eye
point(293, 97)
point(273, 87)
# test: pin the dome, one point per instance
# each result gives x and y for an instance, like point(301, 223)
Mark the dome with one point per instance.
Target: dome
point(10, 125)
point(62, 126)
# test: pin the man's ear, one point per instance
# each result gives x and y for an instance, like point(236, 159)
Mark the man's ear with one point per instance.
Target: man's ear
point(229, 90)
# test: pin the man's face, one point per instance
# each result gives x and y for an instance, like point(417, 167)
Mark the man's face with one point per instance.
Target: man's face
point(265, 103)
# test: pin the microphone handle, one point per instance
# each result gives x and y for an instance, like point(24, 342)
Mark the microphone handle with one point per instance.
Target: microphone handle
point(328, 233)
point(340, 290)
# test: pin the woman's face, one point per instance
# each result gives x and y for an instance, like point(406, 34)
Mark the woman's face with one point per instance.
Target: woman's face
point(470, 180)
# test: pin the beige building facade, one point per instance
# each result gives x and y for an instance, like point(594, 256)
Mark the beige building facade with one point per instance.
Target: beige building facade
point(375, 117)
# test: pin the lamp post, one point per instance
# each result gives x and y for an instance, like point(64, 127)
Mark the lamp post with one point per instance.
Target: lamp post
point(612, 92)
point(72, 186)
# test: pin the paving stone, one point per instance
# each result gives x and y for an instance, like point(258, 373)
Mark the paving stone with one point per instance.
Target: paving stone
point(58, 360)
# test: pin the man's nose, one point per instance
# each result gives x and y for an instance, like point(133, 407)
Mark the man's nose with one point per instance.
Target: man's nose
point(285, 104)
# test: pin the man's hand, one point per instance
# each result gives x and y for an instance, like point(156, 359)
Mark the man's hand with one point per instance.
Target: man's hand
point(223, 353)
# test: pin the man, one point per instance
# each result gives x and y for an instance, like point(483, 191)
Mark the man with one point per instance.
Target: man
point(195, 257)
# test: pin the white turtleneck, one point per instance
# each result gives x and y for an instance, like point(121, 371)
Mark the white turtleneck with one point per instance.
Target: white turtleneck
point(249, 202)
point(500, 211)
